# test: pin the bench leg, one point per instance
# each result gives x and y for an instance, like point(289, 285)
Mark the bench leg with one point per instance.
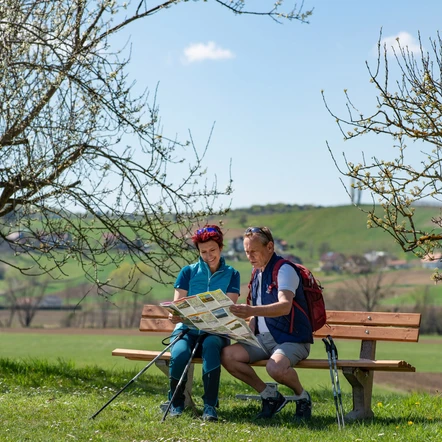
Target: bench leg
point(188, 402)
point(362, 383)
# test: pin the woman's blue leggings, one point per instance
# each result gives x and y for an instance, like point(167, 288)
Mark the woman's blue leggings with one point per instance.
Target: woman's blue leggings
point(210, 352)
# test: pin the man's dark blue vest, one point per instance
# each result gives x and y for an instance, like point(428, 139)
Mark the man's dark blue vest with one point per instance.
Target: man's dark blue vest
point(294, 327)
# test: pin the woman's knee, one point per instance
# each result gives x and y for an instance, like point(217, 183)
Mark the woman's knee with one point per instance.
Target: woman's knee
point(180, 353)
point(213, 343)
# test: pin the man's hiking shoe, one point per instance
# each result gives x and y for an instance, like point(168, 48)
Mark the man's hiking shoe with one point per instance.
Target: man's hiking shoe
point(303, 409)
point(176, 411)
point(209, 414)
point(271, 406)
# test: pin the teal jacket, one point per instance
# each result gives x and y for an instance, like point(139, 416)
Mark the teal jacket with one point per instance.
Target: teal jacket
point(197, 278)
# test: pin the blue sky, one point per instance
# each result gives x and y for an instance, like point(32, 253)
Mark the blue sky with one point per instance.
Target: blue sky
point(260, 82)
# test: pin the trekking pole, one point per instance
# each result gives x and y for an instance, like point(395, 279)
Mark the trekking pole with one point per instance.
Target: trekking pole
point(334, 353)
point(182, 333)
point(328, 350)
point(186, 369)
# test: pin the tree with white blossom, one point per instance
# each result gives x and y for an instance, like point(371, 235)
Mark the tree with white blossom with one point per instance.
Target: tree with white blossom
point(409, 114)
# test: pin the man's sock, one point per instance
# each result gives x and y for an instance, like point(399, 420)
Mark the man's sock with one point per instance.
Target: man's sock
point(268, 392)
point(303, 395)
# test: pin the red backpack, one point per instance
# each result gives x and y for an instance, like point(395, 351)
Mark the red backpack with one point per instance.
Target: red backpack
point(316, 313)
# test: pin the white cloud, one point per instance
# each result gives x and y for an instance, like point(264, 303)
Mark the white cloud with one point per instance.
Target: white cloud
point(209, 51)
point(405, 40)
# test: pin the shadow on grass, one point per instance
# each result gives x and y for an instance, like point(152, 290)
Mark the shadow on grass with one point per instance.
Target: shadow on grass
point(65, 377)
point(317, 422)
point(324, 415)
point(246, 413)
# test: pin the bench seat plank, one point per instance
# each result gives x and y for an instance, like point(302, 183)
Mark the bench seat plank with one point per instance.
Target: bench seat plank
point(156, 325)
point(369, 333)
point(381, 365)
point(393, 319)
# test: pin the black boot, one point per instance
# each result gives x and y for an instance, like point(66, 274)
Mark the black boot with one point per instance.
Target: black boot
point(178, 400)
point(211, 387)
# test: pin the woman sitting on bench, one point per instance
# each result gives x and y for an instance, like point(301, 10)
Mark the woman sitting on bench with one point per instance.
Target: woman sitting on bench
point(209, 273)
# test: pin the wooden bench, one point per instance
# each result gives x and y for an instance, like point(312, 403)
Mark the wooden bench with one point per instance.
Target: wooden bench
point(368, 327)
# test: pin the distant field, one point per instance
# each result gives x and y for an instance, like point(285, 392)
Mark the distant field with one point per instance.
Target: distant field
point(343, 228)
point(431, 295)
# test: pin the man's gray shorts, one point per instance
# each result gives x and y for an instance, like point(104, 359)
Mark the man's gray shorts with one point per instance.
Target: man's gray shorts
point(294, 351)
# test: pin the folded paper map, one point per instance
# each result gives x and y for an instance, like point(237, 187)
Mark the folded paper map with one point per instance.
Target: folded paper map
point(209, 312)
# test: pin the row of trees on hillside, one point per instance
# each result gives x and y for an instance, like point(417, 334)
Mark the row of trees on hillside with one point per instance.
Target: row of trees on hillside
point(23, 298)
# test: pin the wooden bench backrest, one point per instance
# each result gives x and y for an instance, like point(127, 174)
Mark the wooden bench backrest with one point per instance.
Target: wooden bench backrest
point(368, 326)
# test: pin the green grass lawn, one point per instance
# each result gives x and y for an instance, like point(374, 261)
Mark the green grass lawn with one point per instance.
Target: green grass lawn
point(45, 401)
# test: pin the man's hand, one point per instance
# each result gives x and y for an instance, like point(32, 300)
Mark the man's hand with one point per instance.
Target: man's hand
point(242, 310)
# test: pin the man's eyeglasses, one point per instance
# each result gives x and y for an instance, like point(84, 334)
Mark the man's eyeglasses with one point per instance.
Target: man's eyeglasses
point(259, 231)
point(206, 229)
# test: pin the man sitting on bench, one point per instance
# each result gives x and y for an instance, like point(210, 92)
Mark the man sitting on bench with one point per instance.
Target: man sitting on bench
point(283, 330)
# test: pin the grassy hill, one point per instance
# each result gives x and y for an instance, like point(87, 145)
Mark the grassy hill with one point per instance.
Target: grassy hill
point(343, 228)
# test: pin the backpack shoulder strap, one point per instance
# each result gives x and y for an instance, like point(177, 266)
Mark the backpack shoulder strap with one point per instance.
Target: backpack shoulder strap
point(249, 295)
point(275, 271)
point(276, 268)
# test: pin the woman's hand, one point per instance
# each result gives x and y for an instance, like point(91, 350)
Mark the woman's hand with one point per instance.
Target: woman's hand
point(174, 319)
